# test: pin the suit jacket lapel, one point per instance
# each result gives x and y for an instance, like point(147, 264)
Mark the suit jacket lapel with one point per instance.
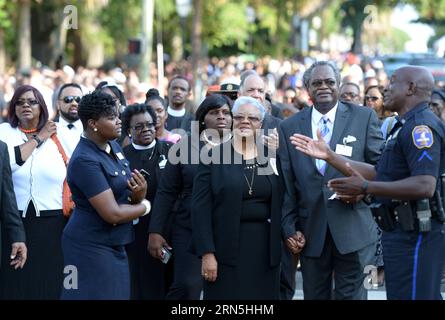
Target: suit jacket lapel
point(306, 129)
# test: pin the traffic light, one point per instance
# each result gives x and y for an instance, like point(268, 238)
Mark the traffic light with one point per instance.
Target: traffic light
point(134, 46)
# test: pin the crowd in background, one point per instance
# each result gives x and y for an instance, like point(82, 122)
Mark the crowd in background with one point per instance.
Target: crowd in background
point(127, 125)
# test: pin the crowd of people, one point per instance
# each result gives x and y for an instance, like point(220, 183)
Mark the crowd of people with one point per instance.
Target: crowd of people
point(281, 165)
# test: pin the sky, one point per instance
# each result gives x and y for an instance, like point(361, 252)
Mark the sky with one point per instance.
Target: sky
point(419, 33)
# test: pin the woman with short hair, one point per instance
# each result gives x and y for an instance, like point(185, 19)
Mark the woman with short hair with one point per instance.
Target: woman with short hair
point(236, 214)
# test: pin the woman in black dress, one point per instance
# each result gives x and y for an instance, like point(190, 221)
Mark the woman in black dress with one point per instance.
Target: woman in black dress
point(173, 198)
point(236, 214)
point(148, 278)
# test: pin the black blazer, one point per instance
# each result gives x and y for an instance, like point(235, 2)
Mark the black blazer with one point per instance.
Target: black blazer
point(10, 220)
point(173, 196)
point(216, 211)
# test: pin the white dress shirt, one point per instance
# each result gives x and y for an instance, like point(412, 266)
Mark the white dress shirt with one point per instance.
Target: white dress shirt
point(69, 138)
point(316, 117)
point(40, 178)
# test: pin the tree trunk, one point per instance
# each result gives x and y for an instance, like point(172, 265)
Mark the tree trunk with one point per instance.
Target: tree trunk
point(147, 32)
point(2, 52)
point(196, 49)
point(357, 42)
point(24, 61)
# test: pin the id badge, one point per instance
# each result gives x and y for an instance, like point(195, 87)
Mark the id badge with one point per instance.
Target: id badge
point(343, 150)
point(163, 162)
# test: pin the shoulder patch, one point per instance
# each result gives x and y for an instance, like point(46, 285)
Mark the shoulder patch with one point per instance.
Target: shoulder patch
point(422, 137)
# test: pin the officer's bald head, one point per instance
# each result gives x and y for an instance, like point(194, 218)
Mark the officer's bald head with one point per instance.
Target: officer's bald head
point(420, 80)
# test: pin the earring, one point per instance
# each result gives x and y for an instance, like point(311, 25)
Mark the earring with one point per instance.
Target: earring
point(129, 135)
point(95, 129)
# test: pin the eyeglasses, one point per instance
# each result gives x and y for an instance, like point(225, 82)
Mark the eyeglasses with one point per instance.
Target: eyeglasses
point(373, 99)
point(21, 103)
point(319, 83)
point(141, 126)
point(351, 95)
point(70, 99)
point(251, 119)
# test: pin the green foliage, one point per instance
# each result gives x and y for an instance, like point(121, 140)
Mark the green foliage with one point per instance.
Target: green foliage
point(225, 24)
point(120, 20)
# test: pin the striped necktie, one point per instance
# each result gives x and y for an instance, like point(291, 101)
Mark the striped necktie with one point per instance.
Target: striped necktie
point(326, 134)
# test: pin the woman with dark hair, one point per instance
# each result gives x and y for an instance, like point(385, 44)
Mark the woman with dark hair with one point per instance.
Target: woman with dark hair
point(437, 103)
point(119, 101)
point(154, 100)
point(173, 198)
point(38, 173)
point(115, 92)
point(148, 275)
point(236, 214)
point(108, 197)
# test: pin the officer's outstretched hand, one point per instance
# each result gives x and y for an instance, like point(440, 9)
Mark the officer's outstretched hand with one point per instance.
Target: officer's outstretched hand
point(350, 187)
point(317, 149)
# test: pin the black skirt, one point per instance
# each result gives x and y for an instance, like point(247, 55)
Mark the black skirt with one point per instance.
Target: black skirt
point(42, 275)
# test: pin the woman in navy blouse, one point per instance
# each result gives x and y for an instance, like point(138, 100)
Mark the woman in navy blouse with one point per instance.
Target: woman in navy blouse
point(108, 196)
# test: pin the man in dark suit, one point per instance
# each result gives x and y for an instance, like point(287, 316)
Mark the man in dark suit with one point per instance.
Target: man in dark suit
point(10, 221)
point(340, 235)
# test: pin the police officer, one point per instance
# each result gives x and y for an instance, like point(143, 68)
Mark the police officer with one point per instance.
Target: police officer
point(405, 185)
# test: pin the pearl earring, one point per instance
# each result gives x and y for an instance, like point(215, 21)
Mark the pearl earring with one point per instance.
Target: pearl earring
point(129, 135)
point(95, 129)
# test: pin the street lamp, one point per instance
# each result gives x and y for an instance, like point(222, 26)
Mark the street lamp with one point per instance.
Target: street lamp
point(183, 8)
point(250, 17)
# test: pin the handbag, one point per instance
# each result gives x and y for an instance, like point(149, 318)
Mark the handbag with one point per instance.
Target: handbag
point(67, 200)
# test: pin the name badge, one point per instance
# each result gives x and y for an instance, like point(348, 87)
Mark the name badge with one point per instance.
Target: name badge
point(120, 156)
point(163, 162)
point(343, 150)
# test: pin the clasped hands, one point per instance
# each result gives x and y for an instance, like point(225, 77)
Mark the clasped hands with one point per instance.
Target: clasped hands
point(296, 242)
point(348, 189)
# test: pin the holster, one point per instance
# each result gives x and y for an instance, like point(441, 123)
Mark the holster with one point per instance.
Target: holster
point(383, 216)
point(404, 214)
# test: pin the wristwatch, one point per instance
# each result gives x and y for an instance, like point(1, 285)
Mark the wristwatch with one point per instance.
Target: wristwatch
point(38, 140)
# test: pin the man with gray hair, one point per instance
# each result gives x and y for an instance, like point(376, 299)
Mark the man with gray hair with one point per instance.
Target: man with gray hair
point(336, 237)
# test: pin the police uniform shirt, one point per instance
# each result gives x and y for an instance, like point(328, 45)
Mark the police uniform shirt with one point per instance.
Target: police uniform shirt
point(90, 172)
point(413, 146)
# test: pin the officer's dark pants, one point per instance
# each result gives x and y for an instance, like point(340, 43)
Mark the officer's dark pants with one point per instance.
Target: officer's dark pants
point(414, 263)
point(347, 270)
point(187, 279)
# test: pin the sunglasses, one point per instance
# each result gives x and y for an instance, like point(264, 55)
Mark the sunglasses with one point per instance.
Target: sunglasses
point(373, 99)
point(21, 103)
point(70, 99)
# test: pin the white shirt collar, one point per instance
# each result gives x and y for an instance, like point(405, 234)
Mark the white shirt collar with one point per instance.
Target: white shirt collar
point(176, 113)
point(77, 123)
point(138, 147)
point(316, 115)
